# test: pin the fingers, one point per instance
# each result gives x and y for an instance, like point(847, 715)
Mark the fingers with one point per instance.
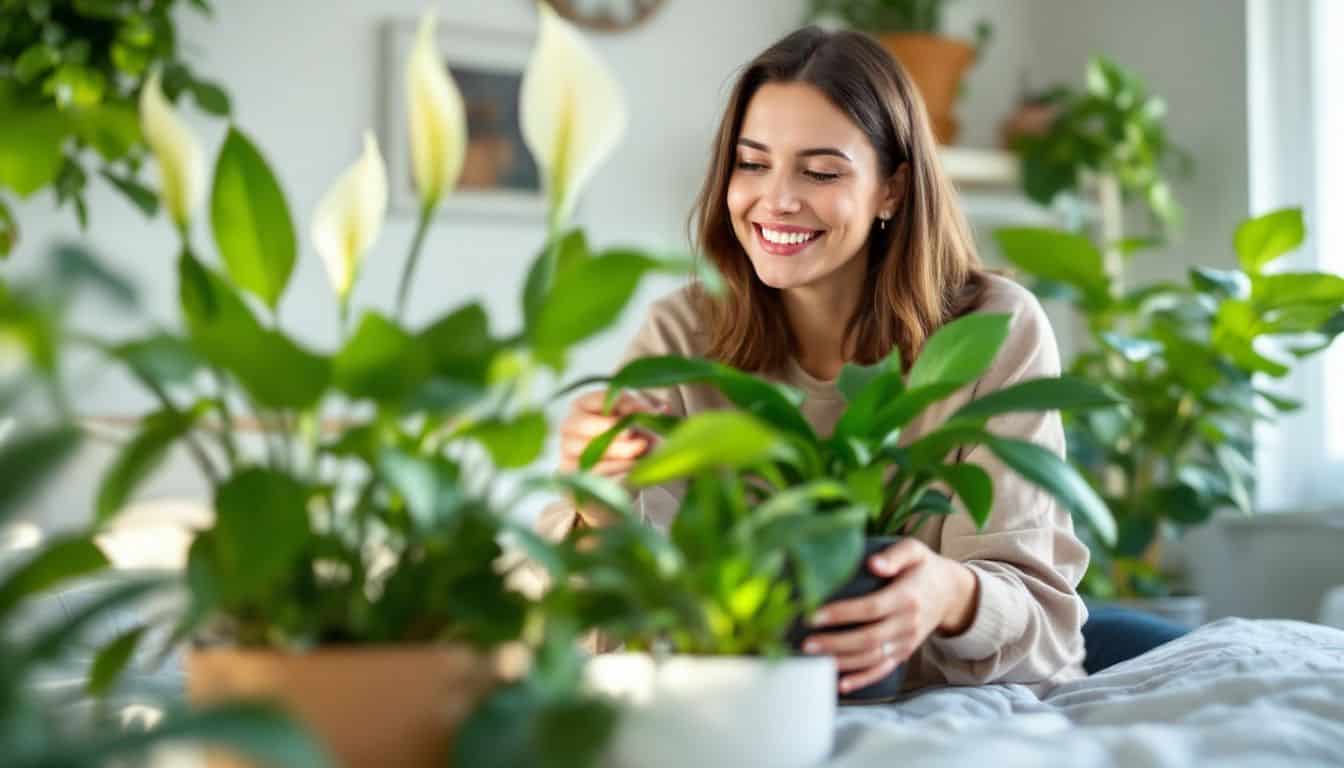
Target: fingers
point(867, 677)
point(627, 445)
point(628, 402)
point(586, 421)
point(898, 557)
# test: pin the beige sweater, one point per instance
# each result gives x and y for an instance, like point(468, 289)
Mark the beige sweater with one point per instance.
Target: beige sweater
point(1027, 628)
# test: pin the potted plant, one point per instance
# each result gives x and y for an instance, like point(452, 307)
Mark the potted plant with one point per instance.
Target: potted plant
point(773, 523)
point(69, 74)
point(352, 568)
point(911, 30)
point(1188, 358)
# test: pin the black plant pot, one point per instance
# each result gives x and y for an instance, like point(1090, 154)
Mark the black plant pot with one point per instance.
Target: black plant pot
point(863, 582)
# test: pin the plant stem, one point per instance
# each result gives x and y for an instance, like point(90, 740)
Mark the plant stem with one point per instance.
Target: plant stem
point(193, 446)
point(226, 438)
point(417, 244)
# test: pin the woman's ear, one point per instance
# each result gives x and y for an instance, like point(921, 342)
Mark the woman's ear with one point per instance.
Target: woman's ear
point(894, 192)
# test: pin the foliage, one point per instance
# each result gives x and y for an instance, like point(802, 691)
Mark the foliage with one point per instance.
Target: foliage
point(1112, 128)
point(69, 76)
point(891, 16)
point(774, 516)
point(1186, 357)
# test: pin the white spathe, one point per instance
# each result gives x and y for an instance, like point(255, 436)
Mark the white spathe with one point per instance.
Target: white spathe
point(718, 711)
point(181, 161)
point(571, 109)
point(348, 219)
point(437, 118)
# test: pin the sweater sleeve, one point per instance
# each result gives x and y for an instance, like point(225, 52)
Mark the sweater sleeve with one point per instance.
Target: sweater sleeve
point(1027, 559)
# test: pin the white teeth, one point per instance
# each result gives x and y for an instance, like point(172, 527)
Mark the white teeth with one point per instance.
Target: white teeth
point(786, 238)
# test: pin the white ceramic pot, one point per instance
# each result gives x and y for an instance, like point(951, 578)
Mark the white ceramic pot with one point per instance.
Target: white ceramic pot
point(718, 711)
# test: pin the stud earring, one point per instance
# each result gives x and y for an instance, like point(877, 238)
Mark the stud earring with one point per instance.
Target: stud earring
point(882, 224)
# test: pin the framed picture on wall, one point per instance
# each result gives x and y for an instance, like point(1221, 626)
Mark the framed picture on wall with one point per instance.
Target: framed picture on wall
point(487, 63)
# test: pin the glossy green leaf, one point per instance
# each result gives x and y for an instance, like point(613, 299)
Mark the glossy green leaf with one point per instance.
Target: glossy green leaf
point(138, 460)
point(54, 641)
point(26, 461)
point(906, 406)
point(250, 220)
point(961, 351)
point(826, 554)
point(160, 360)
point(380, 361)
point(112, 661)
point(9, 230)
point(513, 442)
point(589, 488)
point(1261, 240)
point(598, 446)
point(585, 299)
point(30, 147)
point(1043, 468)
point(560, 254)
point(1132, 348)
point(1063, 393)
point(1289, 289)
point(138, 194)
point(459, 344)
point(261, 529)
point(431, 486)
point(974, 487)
point(1058, 256)
point(211, 98)
point(705, 441)
point(869, 389)
point(58, 561)
point(1229, 283)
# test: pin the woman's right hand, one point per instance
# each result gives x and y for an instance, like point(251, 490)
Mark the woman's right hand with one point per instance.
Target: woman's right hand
point(586, 421)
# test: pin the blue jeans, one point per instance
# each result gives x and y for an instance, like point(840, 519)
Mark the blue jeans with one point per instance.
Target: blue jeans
point(1113, 634)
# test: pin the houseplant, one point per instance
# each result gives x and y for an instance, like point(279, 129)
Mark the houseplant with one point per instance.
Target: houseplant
point(1189, 358)
point(353, 564)
point(774, 521)
point(911, 30)
point(1109, 137)
point(69, 74)
point(42, 722)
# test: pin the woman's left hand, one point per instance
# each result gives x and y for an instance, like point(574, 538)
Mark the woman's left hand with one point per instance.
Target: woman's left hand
point(928, 593)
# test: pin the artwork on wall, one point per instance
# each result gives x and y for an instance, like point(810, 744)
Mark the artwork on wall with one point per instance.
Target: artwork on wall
point(499, 177)
point(607, 15)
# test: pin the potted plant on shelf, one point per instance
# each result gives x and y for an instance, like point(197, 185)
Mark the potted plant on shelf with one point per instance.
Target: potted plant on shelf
point(352, 568)
point(912, 31)
point(69, 73)
point(1187, 357)
point(773, 524)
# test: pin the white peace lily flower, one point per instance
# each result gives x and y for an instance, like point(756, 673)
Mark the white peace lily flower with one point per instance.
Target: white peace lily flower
point(348, 219)
point(572, 112)
point(437, 118)
point(182, 172)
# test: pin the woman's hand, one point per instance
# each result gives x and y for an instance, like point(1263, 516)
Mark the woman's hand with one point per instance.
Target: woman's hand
point(928, 593)
point(586, 421)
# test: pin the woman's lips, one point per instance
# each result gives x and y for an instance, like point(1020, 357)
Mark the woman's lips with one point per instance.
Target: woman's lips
point(796, 239)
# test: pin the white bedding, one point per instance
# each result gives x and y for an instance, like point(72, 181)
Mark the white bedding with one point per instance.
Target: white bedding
point(1233, 693)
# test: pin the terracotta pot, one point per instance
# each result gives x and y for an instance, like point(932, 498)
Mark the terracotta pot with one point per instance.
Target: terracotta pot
point(936, 64)
point(377, 706)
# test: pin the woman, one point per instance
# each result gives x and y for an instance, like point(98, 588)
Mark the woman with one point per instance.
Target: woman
point(827, 213)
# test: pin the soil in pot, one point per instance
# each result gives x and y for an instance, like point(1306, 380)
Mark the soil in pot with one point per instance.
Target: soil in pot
point(863, 582)
point(370, 706)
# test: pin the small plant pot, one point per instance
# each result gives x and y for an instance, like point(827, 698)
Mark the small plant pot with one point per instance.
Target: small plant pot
point(717, 711)
point(374, 706)
point(936, 65)
point(863, 582)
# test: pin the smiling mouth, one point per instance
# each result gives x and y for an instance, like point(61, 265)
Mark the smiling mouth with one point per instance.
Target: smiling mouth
point(785, 242)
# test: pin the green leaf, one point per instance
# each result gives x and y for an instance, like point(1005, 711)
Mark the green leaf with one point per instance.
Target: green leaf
point(704, 441)
point(905, 407)
point(514, 442)
point(36, 59)
point(1043, 468)
point(1292, 289)
point(1229, 283)
point(54, 641)
point(30, 146)
point(870, 389)
point(588, 488)
point(1235, 329)
point(250, 220)
point(459, 344)
point(77, 266)
point(26, 461)
point(380, 361)
point(1263, 239)
point(658, 372)
point(961, 351)
point(598, 446)
point(826, 554)
point(261, 529)
point(537, 549)
point(1063, 393)
point(430, 485)
point(558, 255)
point(585, 299)
point(974, 487)
point(1132, 348)
point(159, 360)
point(1058, 256)
point(211, 98)
point(61, 560)
point(9, 230)
point(1281, 403)
point(226, 333)
point(139, 195)
point(112, 660)
point(257, 731)
point(139, 459)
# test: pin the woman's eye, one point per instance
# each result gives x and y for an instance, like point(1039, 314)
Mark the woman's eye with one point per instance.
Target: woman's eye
point(821, 176)
point(743, 165)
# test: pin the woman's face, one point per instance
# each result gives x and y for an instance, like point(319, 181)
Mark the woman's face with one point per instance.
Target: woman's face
point(806, 188)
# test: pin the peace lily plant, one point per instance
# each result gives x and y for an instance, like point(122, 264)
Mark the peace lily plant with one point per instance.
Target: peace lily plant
point(358, 523)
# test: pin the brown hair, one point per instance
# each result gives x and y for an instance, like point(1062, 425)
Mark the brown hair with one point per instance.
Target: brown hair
point(922, 268)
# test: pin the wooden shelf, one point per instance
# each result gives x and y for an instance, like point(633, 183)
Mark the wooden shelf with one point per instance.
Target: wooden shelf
point(981, 167)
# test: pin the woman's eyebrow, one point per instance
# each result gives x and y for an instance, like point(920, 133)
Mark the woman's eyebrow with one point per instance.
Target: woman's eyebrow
point(810, 152)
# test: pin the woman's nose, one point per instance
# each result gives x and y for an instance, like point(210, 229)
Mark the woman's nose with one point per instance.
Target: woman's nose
point(780, 196)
